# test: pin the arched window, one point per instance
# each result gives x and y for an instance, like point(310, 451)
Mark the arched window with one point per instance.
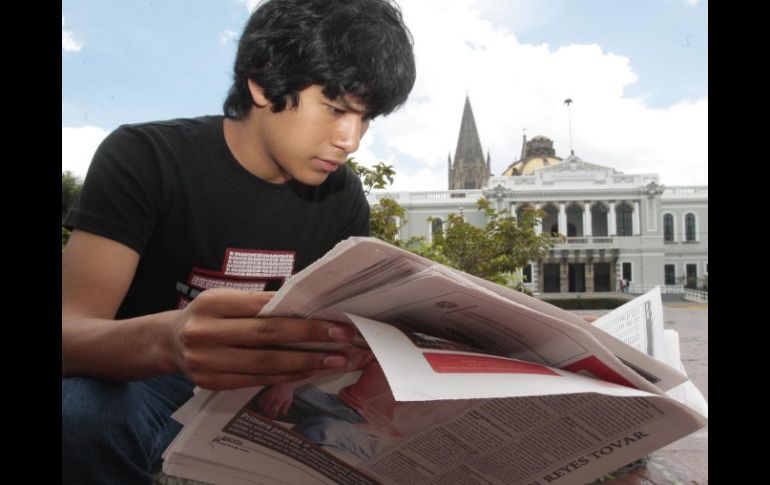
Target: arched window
point(623, 219)
point(689, 227)
point(470, 182)
point(571, 229)
point(555, 229)
point(668, 228)
point(437, 226)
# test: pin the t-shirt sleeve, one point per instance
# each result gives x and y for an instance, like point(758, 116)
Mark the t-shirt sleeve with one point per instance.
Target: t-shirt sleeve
point(122, 194)
point(357, 221)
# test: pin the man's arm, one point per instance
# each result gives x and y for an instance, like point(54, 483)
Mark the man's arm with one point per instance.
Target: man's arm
point(216, 340)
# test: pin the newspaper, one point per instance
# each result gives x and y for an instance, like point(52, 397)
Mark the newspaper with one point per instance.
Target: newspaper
point(463, 382)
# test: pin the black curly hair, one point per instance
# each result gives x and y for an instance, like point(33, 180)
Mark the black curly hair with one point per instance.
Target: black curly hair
point(357, 48)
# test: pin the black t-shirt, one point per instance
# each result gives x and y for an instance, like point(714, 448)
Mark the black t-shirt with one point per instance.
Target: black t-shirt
point(173, 192)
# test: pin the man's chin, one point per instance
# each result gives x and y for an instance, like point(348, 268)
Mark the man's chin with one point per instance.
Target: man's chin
point(313, 179)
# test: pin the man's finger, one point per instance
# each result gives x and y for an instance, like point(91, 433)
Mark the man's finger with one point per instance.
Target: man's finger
point(220, 382)
point(225, 302)
point(262, 361)
point(256, 332)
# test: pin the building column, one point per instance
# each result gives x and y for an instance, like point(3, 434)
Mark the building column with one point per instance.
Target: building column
point(587, 231)
point(539, 225)
point(563, 218)
point(635, 220)
point(512, 210)
point(611, 220)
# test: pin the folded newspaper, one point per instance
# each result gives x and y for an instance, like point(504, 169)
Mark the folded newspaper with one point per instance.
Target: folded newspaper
point(461, 382)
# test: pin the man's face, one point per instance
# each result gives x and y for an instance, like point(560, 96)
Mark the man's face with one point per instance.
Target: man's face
point(309, 141)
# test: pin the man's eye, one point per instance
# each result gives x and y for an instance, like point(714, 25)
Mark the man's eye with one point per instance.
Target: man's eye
point(336, 110)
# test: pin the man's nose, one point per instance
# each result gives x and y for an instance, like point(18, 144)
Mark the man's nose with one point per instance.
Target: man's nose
point(348, 132)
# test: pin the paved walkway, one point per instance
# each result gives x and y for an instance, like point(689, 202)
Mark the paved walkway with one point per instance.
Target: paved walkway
point(684, 462)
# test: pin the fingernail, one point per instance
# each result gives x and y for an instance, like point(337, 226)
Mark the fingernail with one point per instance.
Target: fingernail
point(335, 361)
point(338, 333)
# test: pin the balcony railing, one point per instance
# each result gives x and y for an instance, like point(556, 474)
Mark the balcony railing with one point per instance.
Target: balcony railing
point(696, 295)
point(588, 240)
point(639, 289)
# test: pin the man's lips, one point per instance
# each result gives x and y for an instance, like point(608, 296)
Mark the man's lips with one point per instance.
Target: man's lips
point(329, 165)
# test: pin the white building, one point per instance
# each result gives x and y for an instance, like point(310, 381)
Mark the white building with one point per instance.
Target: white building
point(616, 225)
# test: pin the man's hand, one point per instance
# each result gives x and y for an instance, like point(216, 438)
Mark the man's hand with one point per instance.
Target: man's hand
point(219, 343)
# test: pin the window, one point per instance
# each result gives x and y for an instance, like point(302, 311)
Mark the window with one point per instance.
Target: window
point(623, 219)
point(689, 227)
point(527, 274)
point(470, 183)
point(437, 226)
point(668, 228)
point(555, 229)
point(670, 274)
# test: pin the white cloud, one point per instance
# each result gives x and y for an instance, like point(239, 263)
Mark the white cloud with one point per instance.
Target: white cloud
point(227, 36)
point(514, 86)
point(691, 3)
point(250, 4)
point(78, 145)
point(68, 42)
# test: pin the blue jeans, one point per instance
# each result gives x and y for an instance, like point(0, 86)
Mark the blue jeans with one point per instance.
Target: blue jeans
point(116, 432)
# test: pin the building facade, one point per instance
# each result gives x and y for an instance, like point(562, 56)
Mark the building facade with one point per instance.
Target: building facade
point(616, 226)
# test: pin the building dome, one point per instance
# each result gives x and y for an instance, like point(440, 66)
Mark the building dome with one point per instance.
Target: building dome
point(536, 153)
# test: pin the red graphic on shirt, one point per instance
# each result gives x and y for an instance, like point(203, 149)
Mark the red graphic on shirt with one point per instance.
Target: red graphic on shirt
point(242, 269)
point(596, 368)
point(463, 364)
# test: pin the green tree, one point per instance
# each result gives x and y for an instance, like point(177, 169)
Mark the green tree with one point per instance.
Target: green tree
point(70, 188)
point(387, 216)
point(496, 251)
point(380, 176)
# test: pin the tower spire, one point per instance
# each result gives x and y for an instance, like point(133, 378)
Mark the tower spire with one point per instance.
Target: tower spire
point(469, 169)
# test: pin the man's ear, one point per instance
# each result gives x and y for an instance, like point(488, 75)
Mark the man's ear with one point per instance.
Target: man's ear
point(258, 94)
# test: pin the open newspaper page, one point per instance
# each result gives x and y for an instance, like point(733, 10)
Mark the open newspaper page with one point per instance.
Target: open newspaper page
point(657, 370)
point(405, 418)
point(686, 393)
point(371, 278)
point(638, 323)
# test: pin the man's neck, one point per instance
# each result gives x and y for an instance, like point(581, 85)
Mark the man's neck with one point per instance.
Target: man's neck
point(244, 139)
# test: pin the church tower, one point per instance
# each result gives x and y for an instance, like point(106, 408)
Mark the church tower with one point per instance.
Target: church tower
point(469, 170)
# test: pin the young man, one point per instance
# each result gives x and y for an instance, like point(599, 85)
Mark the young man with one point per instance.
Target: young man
point(231, 205)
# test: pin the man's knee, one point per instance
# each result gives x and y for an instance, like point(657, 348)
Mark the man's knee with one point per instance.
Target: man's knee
point(93, 410)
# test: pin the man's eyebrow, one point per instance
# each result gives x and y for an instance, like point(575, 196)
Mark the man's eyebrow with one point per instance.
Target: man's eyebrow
point(346, 104)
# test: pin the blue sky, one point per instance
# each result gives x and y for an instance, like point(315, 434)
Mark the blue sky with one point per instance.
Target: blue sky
point(635, 70)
